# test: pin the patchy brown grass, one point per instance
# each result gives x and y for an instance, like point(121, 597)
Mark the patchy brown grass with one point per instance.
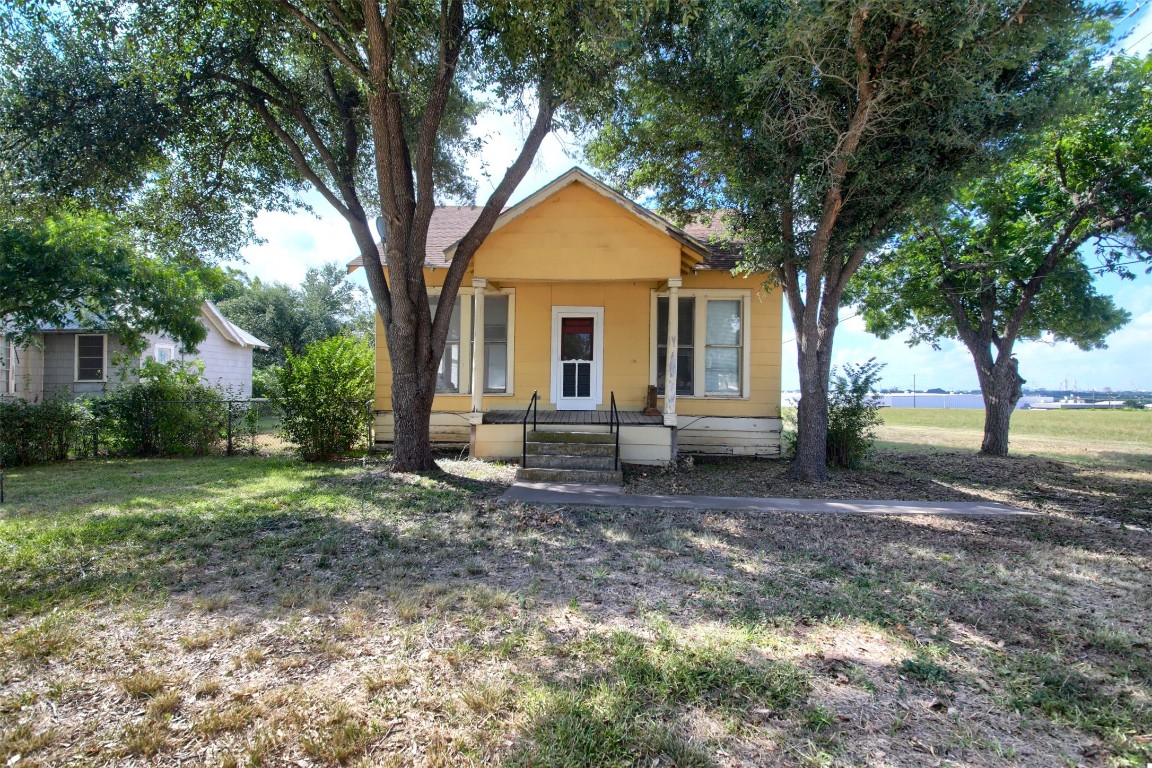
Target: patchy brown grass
point(1079, 476)
point(264, 612)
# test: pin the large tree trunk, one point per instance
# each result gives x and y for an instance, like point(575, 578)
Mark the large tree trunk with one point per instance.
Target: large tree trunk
point(412, 412)
point(810, 463)
point(815, 329)
point(1002, 387)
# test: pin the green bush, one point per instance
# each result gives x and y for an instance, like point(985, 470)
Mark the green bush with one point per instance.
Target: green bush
point(853, 413)
point(170, 411)
point(323, 395)
point(31, 433)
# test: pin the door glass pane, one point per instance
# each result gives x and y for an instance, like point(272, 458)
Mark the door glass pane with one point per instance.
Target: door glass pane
point(576, 338)
point(723, 322)
point(568, 379)
point(583, 379)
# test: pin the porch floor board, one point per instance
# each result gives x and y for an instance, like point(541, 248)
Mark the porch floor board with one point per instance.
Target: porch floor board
point(627, 418)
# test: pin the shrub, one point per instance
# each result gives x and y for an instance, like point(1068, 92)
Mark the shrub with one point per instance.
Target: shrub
point(32, 433)
point(853, 413)
point(323, 397)
point(170, 411)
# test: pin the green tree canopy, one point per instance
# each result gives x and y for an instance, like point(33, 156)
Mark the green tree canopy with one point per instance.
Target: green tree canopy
point(819, 125)
point(288, 319)
point(1013, 255)
point(82, 269)
point(370, 104)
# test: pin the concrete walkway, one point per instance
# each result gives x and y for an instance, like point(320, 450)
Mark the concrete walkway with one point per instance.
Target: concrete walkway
point(612, 496)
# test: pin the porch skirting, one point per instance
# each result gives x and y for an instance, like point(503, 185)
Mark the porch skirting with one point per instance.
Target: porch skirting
point(641, 442)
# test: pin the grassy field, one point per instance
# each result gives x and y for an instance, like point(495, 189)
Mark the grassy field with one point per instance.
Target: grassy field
point(1062, 433)
point(258, 611)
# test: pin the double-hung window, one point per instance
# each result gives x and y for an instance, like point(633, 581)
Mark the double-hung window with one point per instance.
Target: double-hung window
point(91, 357)
point(496, 343)
point(723, 347)
point(5, 367)
point(711, 339)
point(460, 352)
point(448, 378)
point(685, 355)
point(165, 353)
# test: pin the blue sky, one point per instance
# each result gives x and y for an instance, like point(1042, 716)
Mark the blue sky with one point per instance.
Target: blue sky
point(295, 241)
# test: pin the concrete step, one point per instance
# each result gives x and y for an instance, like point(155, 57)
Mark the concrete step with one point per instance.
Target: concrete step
point(548, 436)
point(560, 461)
point(571, 449)
point(600, 477)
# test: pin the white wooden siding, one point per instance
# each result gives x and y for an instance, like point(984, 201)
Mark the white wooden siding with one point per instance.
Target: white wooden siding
point(729, 436)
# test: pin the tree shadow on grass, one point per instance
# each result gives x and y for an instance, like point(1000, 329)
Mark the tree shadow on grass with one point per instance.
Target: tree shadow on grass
point(266, 536)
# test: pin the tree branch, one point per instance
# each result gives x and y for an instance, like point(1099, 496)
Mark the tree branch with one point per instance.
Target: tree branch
point(357, 67)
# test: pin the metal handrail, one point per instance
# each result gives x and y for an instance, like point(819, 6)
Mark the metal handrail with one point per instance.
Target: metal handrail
point(532, 408)
point(614, 426)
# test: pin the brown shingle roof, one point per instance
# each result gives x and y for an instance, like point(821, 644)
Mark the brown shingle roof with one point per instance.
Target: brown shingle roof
point(724, 252)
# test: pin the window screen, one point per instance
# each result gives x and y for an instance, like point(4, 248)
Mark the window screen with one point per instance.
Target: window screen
point(496, 343)
point(722, 355)
point(89, 358)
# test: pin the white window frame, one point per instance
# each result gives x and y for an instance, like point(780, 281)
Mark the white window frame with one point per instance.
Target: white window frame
point(596, 394)
point(171, 353)
point(9, 351)
point(76, 360)
point(699, 346)
point(468, 339)
point(510, 343)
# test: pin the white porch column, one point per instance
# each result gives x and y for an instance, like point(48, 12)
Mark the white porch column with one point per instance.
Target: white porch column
point(671, 355)
point(478, 286)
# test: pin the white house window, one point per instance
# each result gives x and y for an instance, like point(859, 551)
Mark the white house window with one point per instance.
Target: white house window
point(90, 357)
point(496, 343)
point(685, 356)
point(165, 353)
point(5, 368)
point(722, 353)
point(712, 343)
point(448, 378)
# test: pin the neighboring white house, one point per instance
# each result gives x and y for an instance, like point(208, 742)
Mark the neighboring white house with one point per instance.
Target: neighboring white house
point(72, 362)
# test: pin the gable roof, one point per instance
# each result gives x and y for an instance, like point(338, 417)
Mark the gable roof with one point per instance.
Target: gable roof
point(208, 310)
point(704, 240)
point(228, 329)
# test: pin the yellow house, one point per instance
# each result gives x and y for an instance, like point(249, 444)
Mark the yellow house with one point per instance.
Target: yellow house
point(581, 299)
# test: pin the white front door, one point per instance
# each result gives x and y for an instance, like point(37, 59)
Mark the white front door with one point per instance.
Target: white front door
point(577, 358)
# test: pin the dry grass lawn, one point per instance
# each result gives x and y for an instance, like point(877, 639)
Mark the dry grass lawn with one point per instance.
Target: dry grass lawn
point(257, 611)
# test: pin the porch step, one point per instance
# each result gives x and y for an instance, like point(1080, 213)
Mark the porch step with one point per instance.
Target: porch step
point(549, 448)
point(541, 475)
point(549, 436)
point(565, 461)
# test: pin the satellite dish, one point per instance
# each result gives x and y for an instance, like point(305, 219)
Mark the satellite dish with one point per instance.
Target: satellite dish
point(381, 230)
